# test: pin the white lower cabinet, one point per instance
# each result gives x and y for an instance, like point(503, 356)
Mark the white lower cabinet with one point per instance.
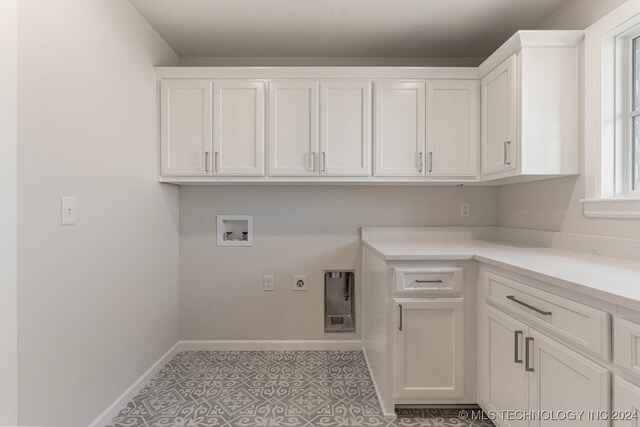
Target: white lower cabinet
point(530, 373)
point(429, 348)
point(626, 397)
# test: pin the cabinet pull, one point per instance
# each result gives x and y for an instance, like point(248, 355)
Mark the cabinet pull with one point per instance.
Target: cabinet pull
point(215, 161)
point(420, 161)
point(429, 281)
point(507, 144)
point(324, 161)
point(206, 161)
point(430, 161)
point(314, 161)
point(537, 310)
point(400, 325)
point(516, 346)
point(527, 340)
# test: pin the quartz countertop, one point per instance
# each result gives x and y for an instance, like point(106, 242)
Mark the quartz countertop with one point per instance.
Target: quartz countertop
point(610, 279)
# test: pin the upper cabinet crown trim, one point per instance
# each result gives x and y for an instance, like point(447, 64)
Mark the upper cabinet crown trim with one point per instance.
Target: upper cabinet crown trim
point(530, 38)
point(316, 73)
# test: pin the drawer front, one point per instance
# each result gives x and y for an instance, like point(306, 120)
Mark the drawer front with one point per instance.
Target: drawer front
point(626, 345)
point(429, 280)
point(577, 323)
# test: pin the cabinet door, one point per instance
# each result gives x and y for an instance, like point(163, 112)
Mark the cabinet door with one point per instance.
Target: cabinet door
point(293, 127)
point(238, 127)
point(185, 136)
point(626, 403)
point(345, 128)
point(400, 129)
point(506, 379)
point(499, 137)
point(563, 379)
point(452, 128)
point(429, 348)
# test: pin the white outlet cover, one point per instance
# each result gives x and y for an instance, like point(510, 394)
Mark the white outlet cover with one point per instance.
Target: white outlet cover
point(300, 282)
point(267, 283)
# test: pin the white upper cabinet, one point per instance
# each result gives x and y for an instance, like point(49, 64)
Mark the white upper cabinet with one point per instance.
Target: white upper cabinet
point(529, 111)
point(345, 118)
point(399, 128)
point(293, 128)
point(238, 127)
point(452, 128)
point(499, 140)
point(185, 136)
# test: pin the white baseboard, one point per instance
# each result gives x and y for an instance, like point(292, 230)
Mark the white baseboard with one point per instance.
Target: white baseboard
point(335, 345)
point(375, 386)
point(120, 403)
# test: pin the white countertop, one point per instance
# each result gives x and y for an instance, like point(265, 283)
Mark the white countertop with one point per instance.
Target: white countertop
point(610, 279)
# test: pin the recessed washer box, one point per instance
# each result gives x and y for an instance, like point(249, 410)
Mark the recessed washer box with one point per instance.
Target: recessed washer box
point(234, 230)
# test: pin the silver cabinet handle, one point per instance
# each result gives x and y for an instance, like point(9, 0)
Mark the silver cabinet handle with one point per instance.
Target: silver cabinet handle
point(527, 340)
point(400, 325)
point(516, 347)
point(314, 161)
point(507, 145)
point(530, 307)
point(206, 161)
point(215, 161)
point(420, 161)
point(429, 281)
point(324, 161)
point(430, 161)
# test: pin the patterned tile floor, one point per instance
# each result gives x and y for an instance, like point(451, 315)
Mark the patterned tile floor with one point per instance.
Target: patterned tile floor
point(255, 388)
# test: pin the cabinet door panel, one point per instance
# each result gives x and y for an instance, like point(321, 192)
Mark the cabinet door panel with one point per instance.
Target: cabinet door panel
point(186, 127)
point(429, 348)
point(452, 127)
point(627, 401)
point(506, 387)
point(238, 124)
point(499, 137)
point(400, 129)
point(563, 379)
point(346, 128)
point(293, 127)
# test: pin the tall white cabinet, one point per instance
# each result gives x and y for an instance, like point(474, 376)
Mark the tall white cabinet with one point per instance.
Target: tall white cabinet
point(400, 128)
point(345, 118)
point(293, 127)
point(238, 127)
point(186, 127)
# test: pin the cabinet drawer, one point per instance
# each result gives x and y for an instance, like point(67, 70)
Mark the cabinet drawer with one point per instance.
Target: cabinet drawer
point(577, 323)
point(429, 280)
point(626, 345)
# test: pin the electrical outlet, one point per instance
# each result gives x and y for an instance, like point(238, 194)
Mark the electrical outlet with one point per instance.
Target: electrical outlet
point(464, 209)
point(267, 283)
point(300, 283)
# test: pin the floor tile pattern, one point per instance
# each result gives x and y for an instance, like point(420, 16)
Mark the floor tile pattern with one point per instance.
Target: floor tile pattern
point(256, 388)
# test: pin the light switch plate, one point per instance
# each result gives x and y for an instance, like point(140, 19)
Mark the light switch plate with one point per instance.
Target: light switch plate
point(67, 210)
point(300, 283)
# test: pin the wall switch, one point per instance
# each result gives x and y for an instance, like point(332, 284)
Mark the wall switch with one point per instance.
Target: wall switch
point(267, 283)
point(300, 283)
point(67, 210)
point(464, 209)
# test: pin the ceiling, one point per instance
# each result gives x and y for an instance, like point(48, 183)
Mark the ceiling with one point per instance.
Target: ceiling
point(341, 28)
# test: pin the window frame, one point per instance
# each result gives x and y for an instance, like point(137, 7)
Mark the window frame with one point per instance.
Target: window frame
point(607, 123)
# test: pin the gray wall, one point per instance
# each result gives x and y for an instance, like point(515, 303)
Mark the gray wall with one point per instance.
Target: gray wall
point(554, 205)
point(8, 213)
point(298, 230)
point(98, 301)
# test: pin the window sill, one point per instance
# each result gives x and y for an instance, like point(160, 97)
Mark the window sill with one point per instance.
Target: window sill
point(618, 207)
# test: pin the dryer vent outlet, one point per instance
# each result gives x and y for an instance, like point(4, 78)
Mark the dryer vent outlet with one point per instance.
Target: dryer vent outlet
point(339, 301)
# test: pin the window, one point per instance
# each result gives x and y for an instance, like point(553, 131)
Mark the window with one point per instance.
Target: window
point(612, 115)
